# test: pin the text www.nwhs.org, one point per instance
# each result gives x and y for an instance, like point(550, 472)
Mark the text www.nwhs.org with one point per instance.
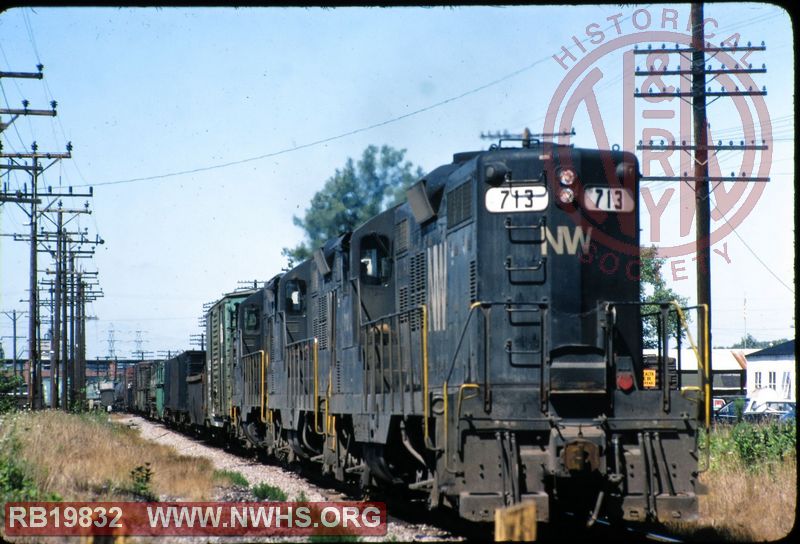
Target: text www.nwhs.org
point(194, 518)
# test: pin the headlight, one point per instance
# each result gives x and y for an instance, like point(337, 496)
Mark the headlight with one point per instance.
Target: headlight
point(567, 176)
point(566, 196)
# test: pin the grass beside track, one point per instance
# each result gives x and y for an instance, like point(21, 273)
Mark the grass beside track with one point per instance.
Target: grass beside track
point(87, 457)
point(51, 455)
point(752, 485)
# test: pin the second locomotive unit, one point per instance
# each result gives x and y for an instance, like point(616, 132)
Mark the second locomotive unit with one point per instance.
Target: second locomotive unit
point(480, 343)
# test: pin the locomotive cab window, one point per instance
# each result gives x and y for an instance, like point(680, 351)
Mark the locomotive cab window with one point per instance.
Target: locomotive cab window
point(375, 260)
point(295, 296)
point(251, 320)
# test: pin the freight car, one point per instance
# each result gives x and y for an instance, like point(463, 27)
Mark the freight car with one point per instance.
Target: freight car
point(177, 408)
point(480, 344)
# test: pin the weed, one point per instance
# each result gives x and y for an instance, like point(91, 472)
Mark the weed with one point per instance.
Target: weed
point(140, 477)
point(302, 497)
point(266, 492)
point(334, 538)
point(233, 477)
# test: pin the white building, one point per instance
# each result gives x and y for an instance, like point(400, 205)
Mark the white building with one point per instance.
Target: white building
point(775, 368)
point(727, 367)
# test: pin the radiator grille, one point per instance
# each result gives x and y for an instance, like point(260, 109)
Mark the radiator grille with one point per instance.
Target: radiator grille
point(401, 237)
point(459, 204)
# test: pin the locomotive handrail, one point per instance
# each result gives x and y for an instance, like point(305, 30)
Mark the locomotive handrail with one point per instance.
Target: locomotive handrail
point(706, 367)
point(540, 225)
point(531, 268)
point(264, 388)
point(485, 307)
point(316, 386)
point(392, 326)
point(425, 399)
point(294, 388)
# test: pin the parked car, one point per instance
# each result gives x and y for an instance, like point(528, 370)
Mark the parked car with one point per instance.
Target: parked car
point(770, 411)
point(790, 416)
point(729, 414)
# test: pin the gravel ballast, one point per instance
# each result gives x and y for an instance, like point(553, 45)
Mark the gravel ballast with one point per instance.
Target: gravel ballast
point(256, 473)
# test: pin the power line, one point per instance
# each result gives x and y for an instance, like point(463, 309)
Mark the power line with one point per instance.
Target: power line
point(774, 275)
point(338, 136)
point(330, 138)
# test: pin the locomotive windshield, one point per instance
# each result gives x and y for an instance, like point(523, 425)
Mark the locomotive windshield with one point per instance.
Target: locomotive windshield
point(295, 296)
point(251, 321)
point(376, 266)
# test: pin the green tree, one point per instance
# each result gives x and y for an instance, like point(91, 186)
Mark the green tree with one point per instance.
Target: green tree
point(9, 383)
point(653, 288)
point(352, 195)
point(748, 341)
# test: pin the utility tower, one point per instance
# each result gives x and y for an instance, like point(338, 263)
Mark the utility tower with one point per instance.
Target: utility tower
point(111, 341)
point(693, 64)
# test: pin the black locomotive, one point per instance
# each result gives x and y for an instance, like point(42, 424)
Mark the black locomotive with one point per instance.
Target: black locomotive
point(480, 344)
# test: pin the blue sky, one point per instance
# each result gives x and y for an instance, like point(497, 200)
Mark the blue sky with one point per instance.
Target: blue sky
point(144, 92)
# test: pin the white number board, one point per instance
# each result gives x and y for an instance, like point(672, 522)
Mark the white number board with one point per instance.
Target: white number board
point(608, 199)
point(516, 198)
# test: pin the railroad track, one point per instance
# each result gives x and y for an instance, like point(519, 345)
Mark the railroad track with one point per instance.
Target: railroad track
point(442, 524)
point(623, 531)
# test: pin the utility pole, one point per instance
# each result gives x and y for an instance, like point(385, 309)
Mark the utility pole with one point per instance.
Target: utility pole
point(64, 288)
point(34, 361)
point(14, 315)
point(744, 314)
point(34, 368)
point(699, 179)
point(702, 195)
point(56, 360)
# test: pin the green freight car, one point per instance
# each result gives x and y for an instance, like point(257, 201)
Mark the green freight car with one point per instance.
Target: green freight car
point(220, 356)
point(157, 390)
